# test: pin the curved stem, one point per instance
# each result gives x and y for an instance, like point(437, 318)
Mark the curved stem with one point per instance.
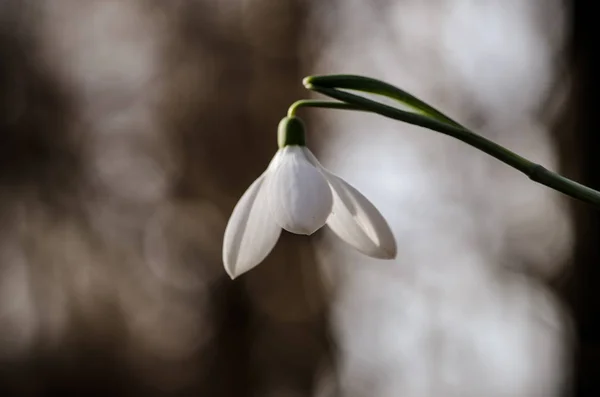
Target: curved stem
point(534, 171)
point(374, 86)
point(310, 103)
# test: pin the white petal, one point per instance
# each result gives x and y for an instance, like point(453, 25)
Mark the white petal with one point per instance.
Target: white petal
point(300, 197)
point(356, 221)
point(251, 232)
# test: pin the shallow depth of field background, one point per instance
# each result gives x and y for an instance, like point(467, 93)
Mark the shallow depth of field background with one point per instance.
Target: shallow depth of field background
point(129, 129)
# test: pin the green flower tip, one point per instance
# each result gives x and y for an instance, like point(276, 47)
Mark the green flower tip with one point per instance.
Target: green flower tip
point(308, 81)
point(290, 132)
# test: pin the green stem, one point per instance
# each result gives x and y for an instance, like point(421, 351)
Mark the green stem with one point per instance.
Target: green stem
point(374, 86)
point(310, 103)
point(534, 171)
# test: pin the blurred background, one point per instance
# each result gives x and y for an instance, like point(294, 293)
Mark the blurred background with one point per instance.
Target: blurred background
point(129, 129)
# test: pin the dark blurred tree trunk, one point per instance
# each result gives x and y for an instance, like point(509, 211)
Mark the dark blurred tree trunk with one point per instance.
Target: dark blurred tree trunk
point(270, 325)
point(585, 287)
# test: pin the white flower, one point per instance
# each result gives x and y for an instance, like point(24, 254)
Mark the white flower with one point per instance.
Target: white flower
point(297, 194)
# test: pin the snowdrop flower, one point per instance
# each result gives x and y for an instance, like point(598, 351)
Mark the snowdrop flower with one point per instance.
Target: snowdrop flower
point(297, 194)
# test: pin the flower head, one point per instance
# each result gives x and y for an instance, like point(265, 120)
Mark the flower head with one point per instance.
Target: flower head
point(298, 194)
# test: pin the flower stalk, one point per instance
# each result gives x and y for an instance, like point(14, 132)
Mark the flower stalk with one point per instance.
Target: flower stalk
point(428, 117)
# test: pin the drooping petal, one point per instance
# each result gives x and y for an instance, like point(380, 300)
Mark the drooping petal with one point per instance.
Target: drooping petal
point(356, 221)
point(299, 196)
point(251, 232)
